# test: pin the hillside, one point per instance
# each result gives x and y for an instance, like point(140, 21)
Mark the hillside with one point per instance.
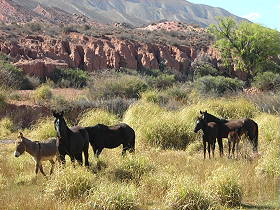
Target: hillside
point(135, 12)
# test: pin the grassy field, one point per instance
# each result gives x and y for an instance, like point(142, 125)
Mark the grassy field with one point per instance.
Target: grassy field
point(166, 172)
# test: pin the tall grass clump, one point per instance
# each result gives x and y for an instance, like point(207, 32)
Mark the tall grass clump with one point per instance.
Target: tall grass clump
point(139, 114)
point(113, 196)
point(224, 186)
point(228, 108)
point(187, 194)
point(70, 183)
point(43, 129)
point(154, 96)
point(168, 131)
point(269, 162)
point(6, 127)
point(158, 127)
point(133, 168)
point(268, 128)
point(42, 94)
point(96, 116)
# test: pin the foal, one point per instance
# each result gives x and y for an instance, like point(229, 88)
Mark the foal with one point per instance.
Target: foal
point(210, 132)
point(40, 151)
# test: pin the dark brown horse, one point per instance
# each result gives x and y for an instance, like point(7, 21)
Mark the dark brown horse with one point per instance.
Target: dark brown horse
point(210, 133)
point(103, 136)
point(233, 130)
point(71, 141)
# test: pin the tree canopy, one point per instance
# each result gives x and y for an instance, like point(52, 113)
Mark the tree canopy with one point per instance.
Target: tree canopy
point(248, 46)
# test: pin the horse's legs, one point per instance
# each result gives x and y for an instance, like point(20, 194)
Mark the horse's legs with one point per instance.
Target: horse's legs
point(61, 159)
point(52, 162)
point(208, 148)
point(86, 157)
point(213, 148)
point(233, 146)
point(220, 142)
point(36, 168)
point(204, 148)
point(79, 158)
point(229, 147)
point(41, 169)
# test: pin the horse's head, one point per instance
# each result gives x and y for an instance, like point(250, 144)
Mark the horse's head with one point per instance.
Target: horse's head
point(59, 122)
point(20, 145)
point(199, 124)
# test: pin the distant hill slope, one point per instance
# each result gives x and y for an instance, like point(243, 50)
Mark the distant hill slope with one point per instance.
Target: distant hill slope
point(135, 12)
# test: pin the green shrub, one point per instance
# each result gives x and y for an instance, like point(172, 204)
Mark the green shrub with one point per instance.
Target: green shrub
point(126, 86)
point(70, 183)
point(188, 195)
point(43, 129)
point(65, 78)
point(10, 76)
point(42, 94)
point(96, 116)
point(113, 196)
point(205, 69)
point(224, 186)
point(161, 81)
point(267, 81)
point(218, 85)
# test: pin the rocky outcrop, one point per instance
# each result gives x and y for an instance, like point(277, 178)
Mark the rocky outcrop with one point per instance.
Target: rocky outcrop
point(40, 55)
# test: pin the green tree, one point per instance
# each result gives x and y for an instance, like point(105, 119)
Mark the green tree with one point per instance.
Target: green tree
point(247, 46)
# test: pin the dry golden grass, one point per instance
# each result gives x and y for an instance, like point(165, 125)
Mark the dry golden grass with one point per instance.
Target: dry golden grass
point(152, 178)
point(151, 175)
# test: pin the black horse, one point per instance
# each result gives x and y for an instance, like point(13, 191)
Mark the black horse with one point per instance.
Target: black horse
point(71, 141)
point(210, 133)
point(103, 136)
point(233, 130)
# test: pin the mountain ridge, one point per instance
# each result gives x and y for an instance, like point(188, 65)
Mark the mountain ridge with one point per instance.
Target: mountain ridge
point(136, 12)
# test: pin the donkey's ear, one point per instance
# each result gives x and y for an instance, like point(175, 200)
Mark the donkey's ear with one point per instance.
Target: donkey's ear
point(201, 112)
point(54, 113)
point(62, 113)
point(205, 111)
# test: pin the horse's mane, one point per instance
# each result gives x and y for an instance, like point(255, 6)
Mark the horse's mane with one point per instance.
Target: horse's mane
point(216, 119)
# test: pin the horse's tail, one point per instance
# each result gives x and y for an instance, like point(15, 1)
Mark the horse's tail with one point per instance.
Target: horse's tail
point(90, 134)
point(256, 138)
point(253, 133)
point(129, 136)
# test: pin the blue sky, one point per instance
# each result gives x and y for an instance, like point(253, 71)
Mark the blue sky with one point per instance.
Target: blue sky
point(265, 12)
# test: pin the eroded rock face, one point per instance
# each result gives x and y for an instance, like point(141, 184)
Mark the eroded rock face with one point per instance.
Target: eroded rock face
point(40, 55)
